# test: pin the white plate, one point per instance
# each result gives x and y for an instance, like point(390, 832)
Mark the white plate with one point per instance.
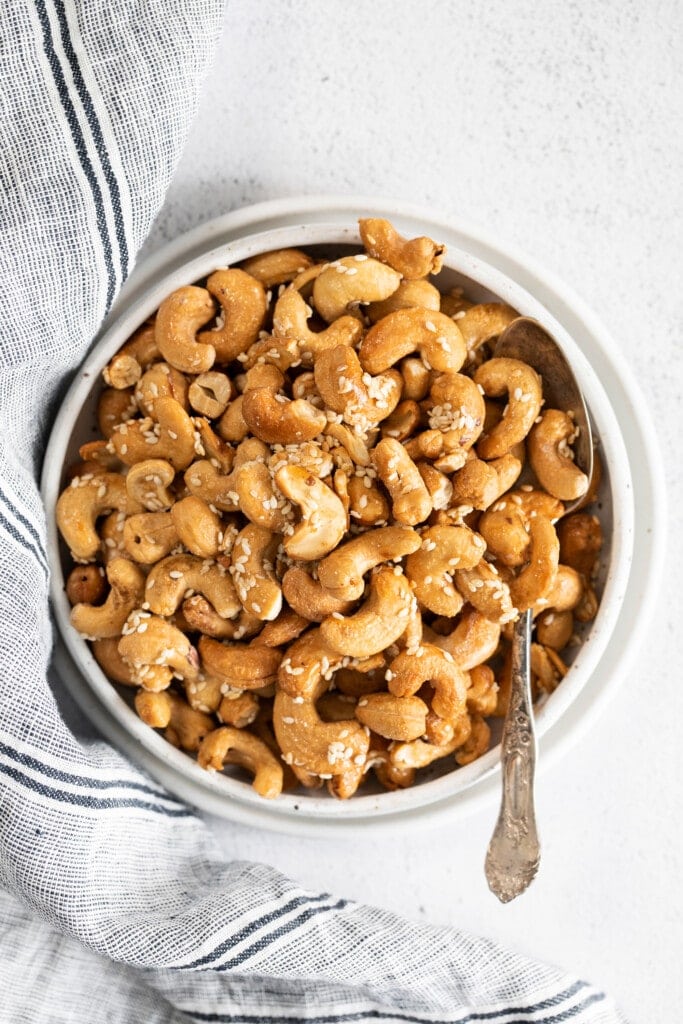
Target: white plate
point(634, 473)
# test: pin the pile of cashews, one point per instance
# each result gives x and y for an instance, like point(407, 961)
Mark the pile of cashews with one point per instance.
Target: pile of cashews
point(302, 537)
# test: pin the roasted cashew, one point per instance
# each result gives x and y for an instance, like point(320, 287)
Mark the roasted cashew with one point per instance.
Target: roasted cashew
point(368, 505)
point(531, 503)
point(380, 621)
point(474, 640)
point(243, 309)
point(201, 616)
point(416, 379)
point(443, 551)
point(126, 584)
point(321, 748)
point(483, 322)
point(505, 533)
point(547, 667)
point(114, 407)
point(486, 591)
point(412, 258)
point(479, 484)
point(170, 579)
point(238, 709)
point(323, 519)
point(125, 368)
point(362, 400)
point(81, 504)
point(210, 393)
point(286, 628)
point(419, 754)
point(395, 718)
point(457, 410)
point(290, 321)
point(220, 454)
point(353, 445)
point(454, 302)
point(252, 570)
point(308, 667)
point(433, 335)
point(226, 745)
point(147, 484)
point(205, 692)
point(341, 572)
point(535, 580)
point(408, 295)
point(482, 693)
point(85, 584)
point(179, 318)
point(522, 385)
point(565, 591)
point(403, 421)
point(242, 667)
point(215, 488)
point(309, 598)
point(107, 656)
point(199, 528)
point(554, 629)
point(278, 420)
point(429, 664)
point(476, 744)
point(163, 709)
point(149, 536)
point(231, 425)
point(551, 457)
point(160, 381)
point(580, 537)
point(437, 483)
point(156, 651)
point(170, 433)
point(278, 267)
point(281, 353)
point(399, 474)
point(388, 775)
point(259, 499)
point(347, 282)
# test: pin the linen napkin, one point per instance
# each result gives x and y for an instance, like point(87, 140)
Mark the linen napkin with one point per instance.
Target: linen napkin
point(115, 905)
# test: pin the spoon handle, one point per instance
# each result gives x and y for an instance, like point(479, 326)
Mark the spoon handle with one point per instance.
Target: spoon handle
point(514, 852)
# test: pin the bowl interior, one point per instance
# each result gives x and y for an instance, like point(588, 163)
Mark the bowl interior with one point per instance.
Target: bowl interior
point(76, 423)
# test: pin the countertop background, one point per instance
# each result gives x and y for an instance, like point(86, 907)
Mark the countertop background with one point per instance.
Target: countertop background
point(555, 125)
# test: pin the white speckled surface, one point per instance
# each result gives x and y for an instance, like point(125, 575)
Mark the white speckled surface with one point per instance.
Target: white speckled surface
point(556, 125)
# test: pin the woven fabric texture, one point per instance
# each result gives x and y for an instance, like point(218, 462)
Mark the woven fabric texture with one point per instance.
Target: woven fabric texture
point(115, 906)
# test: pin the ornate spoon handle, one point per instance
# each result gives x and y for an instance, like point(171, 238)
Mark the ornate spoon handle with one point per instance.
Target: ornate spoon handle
point(513, 855)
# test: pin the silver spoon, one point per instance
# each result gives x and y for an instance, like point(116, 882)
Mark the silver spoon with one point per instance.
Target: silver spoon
point(514, 852)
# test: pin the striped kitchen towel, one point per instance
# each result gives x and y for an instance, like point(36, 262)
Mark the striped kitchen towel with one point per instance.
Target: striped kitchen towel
point(115, 905)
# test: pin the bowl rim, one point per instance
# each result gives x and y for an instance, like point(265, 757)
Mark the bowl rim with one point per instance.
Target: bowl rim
point(118, 327)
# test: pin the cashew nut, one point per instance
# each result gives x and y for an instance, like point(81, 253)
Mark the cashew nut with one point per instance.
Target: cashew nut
point(243, 309)
point(309, 598)
point(147, 484)
point(252, 571)
point(408, 295)
point(160, 381)
point(399, 474)
point(362, 400)
point(535, 579)
point(107, 656)
point(278, 267)
point(290, 321)
point(395, 718)
point(226, 745)
point(170, 432)
point(347, 282)
point(323, 519)
point(341, 572)
point(321, 748)
point(163, 709)
point(523, 387)
point(114, 407)
point(156, 651)
point(435, 336)
point(479, 484)
point(279, 420)
point(474, 640)
point(199, 528)
point(179, 318)
point(243, 667)
point(125, 368)
point(126, 583)
point(149, 536)
point(170, 579)
point(210, 393)
point(580, 537)
point(412, 258)
point(551, 457)
point(484, 322)
point(79, 506)
point(486, 591)
point(409, 671)
point(308, 666)
point(443, 551)
point(380, 621)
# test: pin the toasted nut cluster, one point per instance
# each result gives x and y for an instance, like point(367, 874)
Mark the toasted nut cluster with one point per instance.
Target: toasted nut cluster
point(303, 537)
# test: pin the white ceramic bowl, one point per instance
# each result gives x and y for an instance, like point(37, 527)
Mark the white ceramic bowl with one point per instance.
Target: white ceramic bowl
point(487, 272)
